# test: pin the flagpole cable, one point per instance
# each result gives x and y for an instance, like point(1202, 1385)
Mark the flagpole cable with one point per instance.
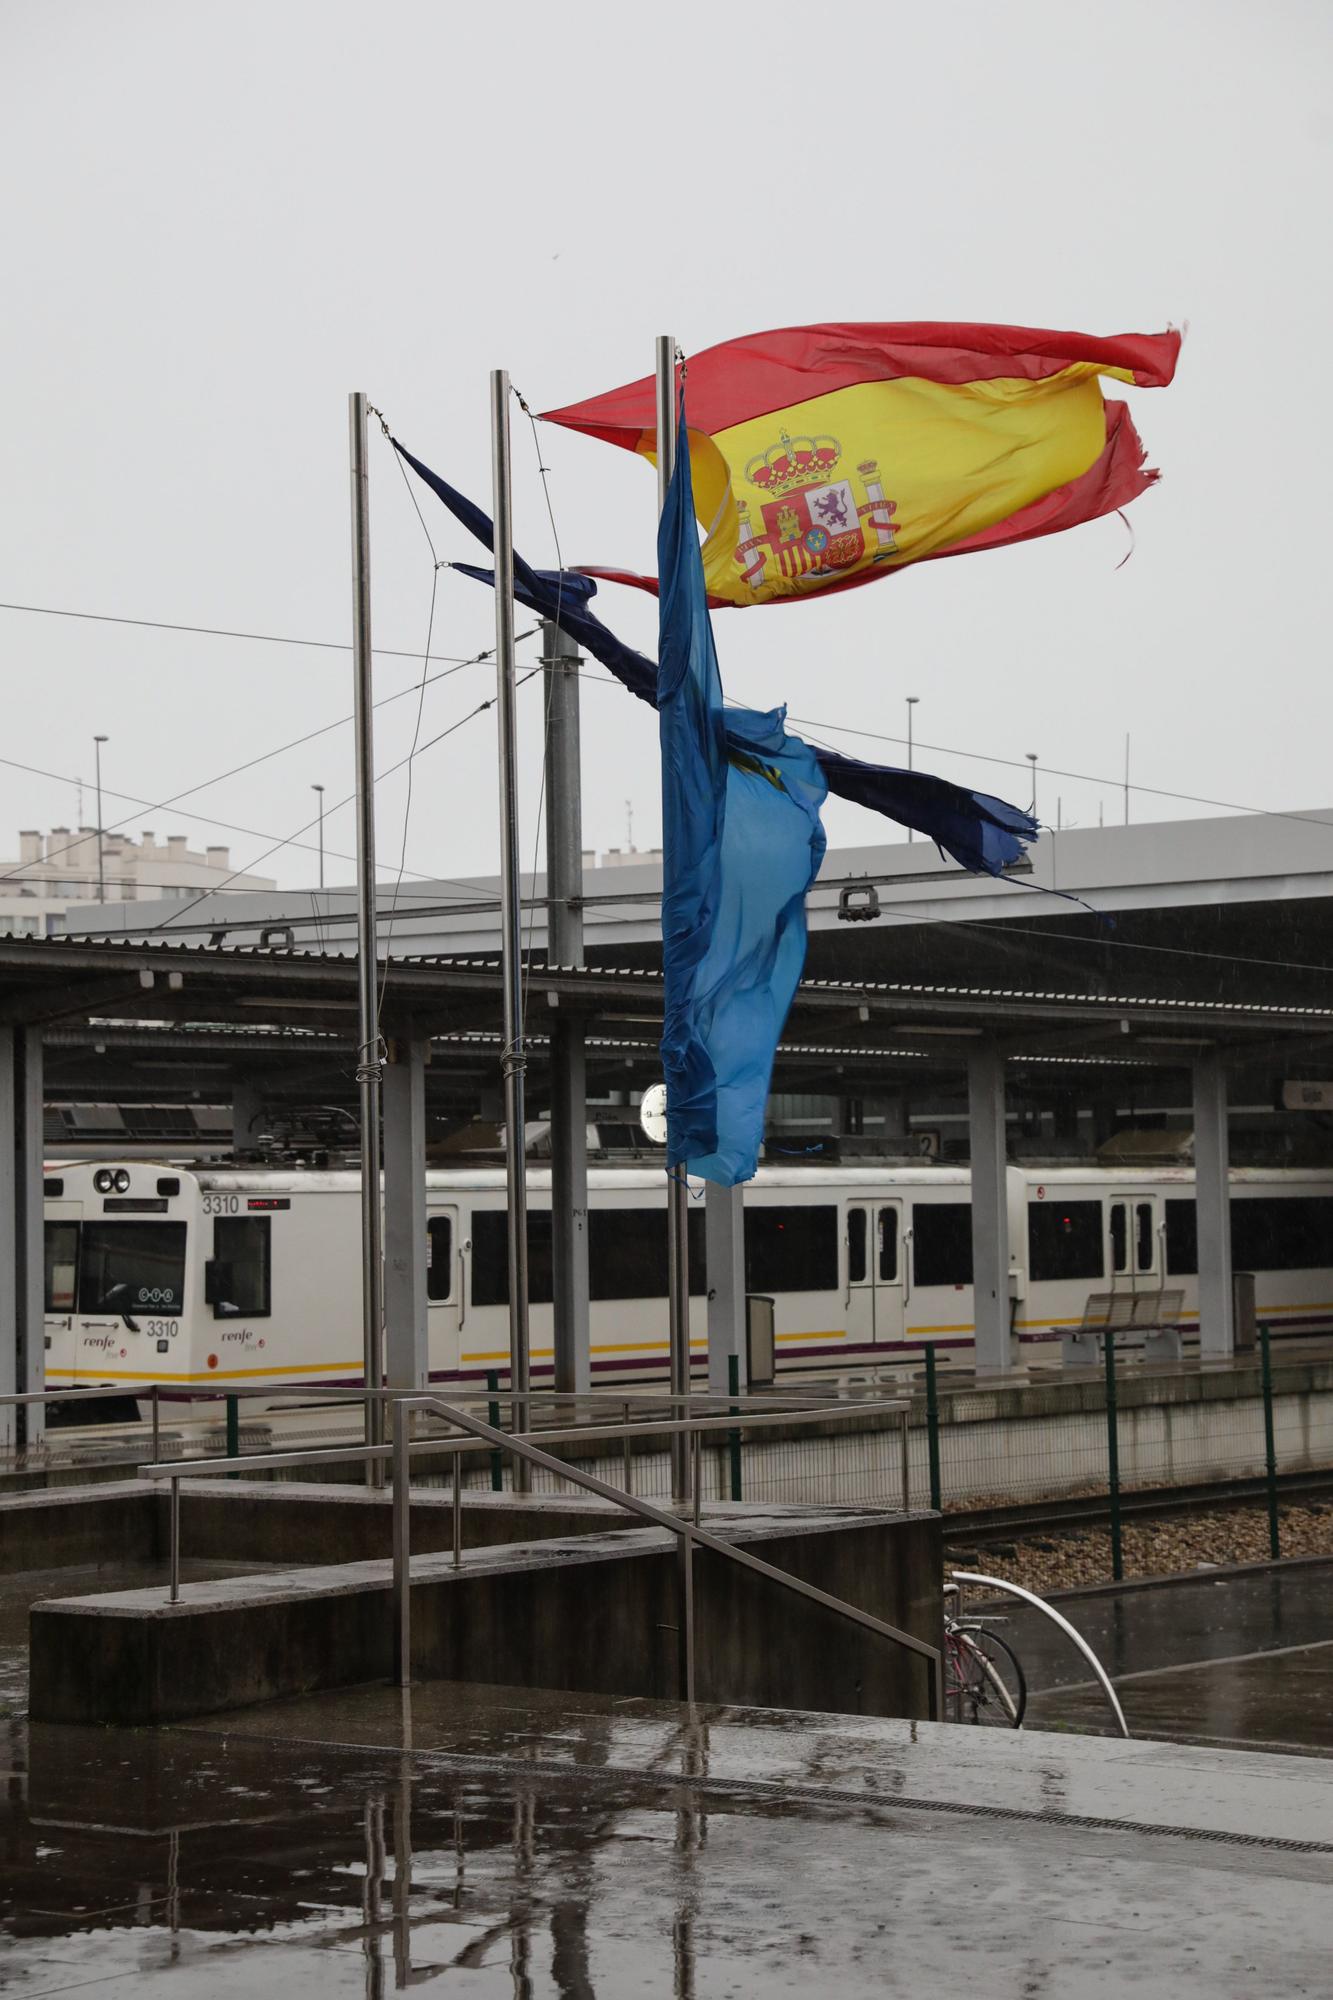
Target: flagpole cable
point(548, 698)
point(436, 566)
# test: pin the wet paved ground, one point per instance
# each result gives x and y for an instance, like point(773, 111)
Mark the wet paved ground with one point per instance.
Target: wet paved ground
point(530, 1847)
point(495, 1842)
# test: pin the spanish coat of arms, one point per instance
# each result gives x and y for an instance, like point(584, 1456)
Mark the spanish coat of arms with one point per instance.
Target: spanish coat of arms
point(813, 526)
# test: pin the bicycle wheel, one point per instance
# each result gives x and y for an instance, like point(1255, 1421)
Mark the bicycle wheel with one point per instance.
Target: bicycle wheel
point(992, 1689)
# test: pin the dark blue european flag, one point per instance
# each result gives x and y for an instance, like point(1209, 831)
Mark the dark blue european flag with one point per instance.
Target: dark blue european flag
point(980, 833)
point(741, 844)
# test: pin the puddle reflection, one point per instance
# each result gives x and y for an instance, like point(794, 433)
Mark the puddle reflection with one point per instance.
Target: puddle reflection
point(158, 1850)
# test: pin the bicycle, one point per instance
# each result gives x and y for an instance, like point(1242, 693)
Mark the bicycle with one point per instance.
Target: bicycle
point(983, 1680)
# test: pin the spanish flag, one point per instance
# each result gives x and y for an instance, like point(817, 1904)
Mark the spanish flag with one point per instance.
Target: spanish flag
point(826, 456)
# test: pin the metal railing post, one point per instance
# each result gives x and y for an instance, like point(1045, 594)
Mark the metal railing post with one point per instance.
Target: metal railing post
point(458, 1511)
point(933, 1429)
point(907, 1461)
point(698, 1468)
point(175, 1541)
point(629, 1455)
point(1113, 1457)
point(734, 1437)
point(402, 1549)
point(686, 1573)
point(157, 1449)
point(233, 1431)
point(1270, 1445)
point(493, 1418)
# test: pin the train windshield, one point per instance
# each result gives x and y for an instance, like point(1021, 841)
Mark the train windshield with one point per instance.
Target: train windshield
point(128, 1267)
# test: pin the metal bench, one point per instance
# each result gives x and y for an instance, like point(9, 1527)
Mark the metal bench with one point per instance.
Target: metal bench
point(1155, 1315)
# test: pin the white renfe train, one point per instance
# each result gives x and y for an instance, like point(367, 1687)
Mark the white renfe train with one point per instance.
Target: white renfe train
point(250, 1276)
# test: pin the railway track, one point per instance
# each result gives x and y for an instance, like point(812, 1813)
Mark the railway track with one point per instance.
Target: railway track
point(983, 1525)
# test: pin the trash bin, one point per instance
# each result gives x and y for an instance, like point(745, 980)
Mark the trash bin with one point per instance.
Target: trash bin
point(1242, 1311)
point(760, 1346)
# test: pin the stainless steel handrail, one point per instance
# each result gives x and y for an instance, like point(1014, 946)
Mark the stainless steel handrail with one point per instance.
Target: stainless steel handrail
point(688, 1532)
point(483, 1437)
point(311, 1395)
point(328, 1392)
point(428, 1447)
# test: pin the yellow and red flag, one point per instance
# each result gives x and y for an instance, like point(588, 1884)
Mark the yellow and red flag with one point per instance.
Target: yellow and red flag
point(826, 456)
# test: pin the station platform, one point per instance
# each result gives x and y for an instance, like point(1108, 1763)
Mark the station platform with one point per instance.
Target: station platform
point(492, 1841)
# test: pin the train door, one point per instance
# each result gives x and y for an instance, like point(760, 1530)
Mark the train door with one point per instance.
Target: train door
point(444, 1290)
point(61, 1259)
point(1135, 1227)
point(876, 1261)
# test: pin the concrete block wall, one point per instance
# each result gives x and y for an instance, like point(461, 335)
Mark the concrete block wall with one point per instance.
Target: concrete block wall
point(595, 1612)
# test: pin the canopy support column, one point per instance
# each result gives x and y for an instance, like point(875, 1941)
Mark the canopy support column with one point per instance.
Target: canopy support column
point(407, 1350)
point(724, 1256)
point(22, 1290)
point(569, 1093)
point(1217, 1331)
point(993, 1314)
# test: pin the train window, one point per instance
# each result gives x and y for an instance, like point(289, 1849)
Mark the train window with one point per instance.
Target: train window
point(942, 1242)
point(888, 1246)
point(627, 1253)
point(791, 1249)
point(490, 1257)
point(242, 1249)
point(61, 1259)
point(1282, 1233)
point(1182, 1237)
point(1065, 1239)
point(129, 1267)
point(439, 1258)
point(1119, 1245)
point(856, 1246)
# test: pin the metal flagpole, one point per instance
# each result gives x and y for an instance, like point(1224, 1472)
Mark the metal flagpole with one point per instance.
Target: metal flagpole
point(367, 953)
point(515, 1057)
point(678, 1210)
point(564, 946)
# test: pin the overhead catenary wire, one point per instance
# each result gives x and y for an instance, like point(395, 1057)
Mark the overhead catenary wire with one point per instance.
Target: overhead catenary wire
point(1013, 763)
point(223, 632)
point(608, 680)
point(172, 803)
point(380, 776)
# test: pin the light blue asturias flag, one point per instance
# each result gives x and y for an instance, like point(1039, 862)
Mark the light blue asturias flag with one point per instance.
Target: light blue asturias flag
point(741, 844)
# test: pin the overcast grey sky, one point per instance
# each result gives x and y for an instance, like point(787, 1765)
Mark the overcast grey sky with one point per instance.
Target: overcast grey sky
point(219, 218)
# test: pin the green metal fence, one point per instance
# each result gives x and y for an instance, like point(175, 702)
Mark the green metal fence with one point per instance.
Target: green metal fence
point(1103, 1435)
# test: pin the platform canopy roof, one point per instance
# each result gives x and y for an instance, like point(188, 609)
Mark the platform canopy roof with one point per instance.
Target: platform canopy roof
point(138, 1021)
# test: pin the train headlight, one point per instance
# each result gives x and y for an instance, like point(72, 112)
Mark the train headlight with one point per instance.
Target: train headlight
point(122, 1181)
point(104, 1180)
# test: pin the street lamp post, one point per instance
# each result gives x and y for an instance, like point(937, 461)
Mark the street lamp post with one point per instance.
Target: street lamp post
point(320, 790)
point(912, 701)
point(98, 741)
point(1031, 756)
